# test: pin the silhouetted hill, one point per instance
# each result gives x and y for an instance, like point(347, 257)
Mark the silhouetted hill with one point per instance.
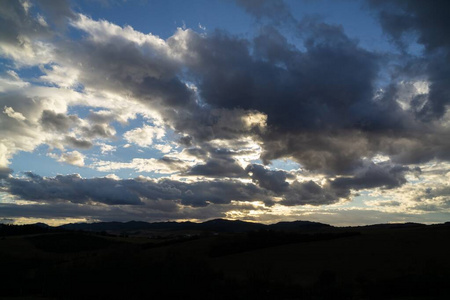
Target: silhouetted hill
point(216, 225)
point(132, 225)
point(222, 225)
point(394, 225)
point(42, 225)
point(295, 225)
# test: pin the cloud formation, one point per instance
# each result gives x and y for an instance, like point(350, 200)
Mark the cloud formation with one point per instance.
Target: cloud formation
point(229, 105)
point(75, 189)
point(428, 24)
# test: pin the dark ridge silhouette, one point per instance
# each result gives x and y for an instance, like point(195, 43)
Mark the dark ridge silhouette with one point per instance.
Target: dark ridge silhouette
point(295, 225)
point(216, 225)
point(222, 225)
point(38, 228)
point(395, 225)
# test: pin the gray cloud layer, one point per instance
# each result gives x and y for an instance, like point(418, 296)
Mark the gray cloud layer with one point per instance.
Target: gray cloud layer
point(73, 188)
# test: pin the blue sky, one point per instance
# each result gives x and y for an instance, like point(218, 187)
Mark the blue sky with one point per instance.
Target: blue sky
point(260, 110)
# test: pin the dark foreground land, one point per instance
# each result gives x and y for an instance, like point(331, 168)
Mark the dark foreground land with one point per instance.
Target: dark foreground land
point(223, 259)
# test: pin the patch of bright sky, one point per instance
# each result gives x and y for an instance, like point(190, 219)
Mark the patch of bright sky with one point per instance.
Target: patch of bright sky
point(40, 163)
point(25, 73)
point(358, 201)
point(285, 164)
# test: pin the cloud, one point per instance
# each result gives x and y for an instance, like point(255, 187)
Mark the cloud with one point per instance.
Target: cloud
point(333, 71)
point(373, 175)
point(309, 192)
point(164, 165)
point(144, 136)
point(106, 149)
point(164, 148)
point(19, 29)
point(9, 111)
point(57, 121)
point(20, 132)
point(428, 22)
point(268, 179)
point(5, 172)
point(280, 84)
point(219, 167)
point(72, 158)
point(77, 143)
point(98, 130)
point(73, 188)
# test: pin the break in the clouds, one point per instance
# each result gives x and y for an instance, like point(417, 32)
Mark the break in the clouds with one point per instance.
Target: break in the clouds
point(292, 114)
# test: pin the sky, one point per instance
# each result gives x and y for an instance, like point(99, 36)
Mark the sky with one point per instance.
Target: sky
point(334, 111)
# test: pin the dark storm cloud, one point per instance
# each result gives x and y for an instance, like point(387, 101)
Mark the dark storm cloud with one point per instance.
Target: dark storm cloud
point(98, 130)
point(57, 11)
point(57, 121)
point(15, 22)
point(428, 19)
point(327, 151)
point(322, 107)
point(62, 123)
point(185, 141)
point(271, 180)
point(5, 172)
point(220, 167)
point(330, 84)
point(429, 22)
point(19, 23)
point(64, 210)
point(219, 192)
point(372, 176)
point(309, 192)
point(73, 188)
point(304, 94)
point(417, 147)
point(77, 143)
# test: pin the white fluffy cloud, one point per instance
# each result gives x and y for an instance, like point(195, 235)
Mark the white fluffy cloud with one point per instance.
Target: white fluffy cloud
point(164, 165)
point(144, 136)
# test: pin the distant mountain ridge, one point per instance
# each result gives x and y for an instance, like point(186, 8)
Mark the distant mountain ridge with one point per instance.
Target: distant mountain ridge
point(216, 225)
